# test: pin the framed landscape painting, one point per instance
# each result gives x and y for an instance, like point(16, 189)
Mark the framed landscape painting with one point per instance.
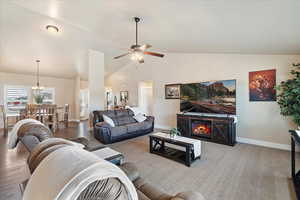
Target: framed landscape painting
point(262, 85)
point(172, 91)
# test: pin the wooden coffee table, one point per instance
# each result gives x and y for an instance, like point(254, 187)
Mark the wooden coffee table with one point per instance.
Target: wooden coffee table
point(181, 149)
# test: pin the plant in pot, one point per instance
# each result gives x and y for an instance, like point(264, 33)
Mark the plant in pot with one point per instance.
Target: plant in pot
point(174, 132)
point(289, 95)
point(39, 98)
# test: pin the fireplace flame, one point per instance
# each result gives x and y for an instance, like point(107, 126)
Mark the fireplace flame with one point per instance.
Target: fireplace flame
point(201, 129)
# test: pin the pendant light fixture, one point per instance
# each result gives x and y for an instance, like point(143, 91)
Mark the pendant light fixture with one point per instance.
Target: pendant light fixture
point(38, 87)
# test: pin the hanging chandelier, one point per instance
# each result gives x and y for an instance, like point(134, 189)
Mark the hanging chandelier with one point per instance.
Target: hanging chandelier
point(38, 87)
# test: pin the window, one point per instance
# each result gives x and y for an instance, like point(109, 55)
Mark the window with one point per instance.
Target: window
point(48, 94)
point(17, 97)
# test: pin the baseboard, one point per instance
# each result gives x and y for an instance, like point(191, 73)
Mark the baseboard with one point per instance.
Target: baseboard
point(262, 143)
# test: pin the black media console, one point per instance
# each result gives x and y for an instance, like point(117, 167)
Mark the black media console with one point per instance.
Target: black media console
point(218, 129)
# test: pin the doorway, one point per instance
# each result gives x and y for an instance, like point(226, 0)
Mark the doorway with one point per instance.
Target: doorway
point(146, 97)
point(84, 106)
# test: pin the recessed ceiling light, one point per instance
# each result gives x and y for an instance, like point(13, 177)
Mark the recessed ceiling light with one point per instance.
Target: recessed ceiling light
point(52, 28)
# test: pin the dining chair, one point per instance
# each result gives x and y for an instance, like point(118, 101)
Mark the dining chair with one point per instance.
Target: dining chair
point(49, 116)
point(45, 113)
point(66, 115)
point(3, 115)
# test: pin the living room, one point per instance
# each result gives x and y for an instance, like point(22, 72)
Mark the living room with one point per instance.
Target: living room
point(149, 100)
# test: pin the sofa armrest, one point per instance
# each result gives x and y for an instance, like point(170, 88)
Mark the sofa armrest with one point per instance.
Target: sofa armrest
point(102, 132)
point(130, 170)
point(30, 142)
point(190, 195)
point(103, 125)
point(96, 117)
point(150, 119)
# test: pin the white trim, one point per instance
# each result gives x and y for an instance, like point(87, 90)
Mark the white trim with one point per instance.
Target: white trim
point(262, 143)
point(162, 127)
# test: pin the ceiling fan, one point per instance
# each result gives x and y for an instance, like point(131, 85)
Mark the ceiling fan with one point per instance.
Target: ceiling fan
point(137, 51)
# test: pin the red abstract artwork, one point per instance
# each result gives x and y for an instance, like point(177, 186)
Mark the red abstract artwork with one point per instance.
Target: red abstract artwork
point(262, 85)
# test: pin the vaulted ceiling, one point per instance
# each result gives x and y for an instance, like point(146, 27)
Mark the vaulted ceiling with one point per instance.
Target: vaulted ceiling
point(194, 26)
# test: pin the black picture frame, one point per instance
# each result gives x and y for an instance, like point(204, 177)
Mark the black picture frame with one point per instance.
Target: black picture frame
point(124, 96)
point(172, 91)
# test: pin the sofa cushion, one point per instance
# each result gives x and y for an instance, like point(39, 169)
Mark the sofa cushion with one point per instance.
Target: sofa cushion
point(134, 127)
point(108, 120)
point(118, 130)
point(141, 196)
point(190, 195)
point(146, 125)
point(124, 120)
point(150, 191)
point(121, 113)
point(98, 116)
point(130, 170)
point(109, 113)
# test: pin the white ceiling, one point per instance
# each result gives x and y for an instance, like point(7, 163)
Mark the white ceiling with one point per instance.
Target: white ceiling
point(194, 26)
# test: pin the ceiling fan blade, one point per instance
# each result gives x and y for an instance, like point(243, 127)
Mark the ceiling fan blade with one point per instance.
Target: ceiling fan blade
point(153, 54)
point(141, 60)
point(125, 54)
point(145, 46)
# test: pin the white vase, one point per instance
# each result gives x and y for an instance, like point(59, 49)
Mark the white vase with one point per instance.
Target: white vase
point(172, 136)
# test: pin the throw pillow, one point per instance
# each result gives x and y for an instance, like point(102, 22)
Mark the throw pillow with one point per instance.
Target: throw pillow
point(140, 117)
point(108, 120)
point(135, 110)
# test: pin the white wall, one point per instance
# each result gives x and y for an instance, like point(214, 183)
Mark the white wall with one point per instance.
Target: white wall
point(96, 80)
point(84, 84)
point(257, 120)
point(77, 87)
point(64, 88)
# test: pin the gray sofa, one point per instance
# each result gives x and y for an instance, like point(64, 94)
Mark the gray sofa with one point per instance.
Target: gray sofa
point(125, 126)
point(108, 189)
point(36, 139)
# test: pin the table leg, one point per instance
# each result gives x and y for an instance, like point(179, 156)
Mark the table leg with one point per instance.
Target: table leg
point(293, 156)
point(188, 156)
point(151, 144)
point(5, 126)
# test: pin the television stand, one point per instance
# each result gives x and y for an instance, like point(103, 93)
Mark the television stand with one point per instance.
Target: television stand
point(208, 127)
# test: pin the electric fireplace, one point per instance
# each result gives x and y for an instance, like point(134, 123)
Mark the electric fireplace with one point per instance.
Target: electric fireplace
point(218, 129)
point(201, 128)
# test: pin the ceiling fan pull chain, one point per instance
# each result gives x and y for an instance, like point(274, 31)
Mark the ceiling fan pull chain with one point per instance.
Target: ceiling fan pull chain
point(136, 29)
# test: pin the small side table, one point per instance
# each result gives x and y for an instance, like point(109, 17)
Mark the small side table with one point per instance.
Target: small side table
point(110, 155)
point(295, 140)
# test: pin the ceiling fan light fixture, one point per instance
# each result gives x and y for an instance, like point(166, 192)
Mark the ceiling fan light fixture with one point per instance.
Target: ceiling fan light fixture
point(137, 56)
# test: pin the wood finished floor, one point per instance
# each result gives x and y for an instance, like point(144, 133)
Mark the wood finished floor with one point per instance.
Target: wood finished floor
point(243, 172)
